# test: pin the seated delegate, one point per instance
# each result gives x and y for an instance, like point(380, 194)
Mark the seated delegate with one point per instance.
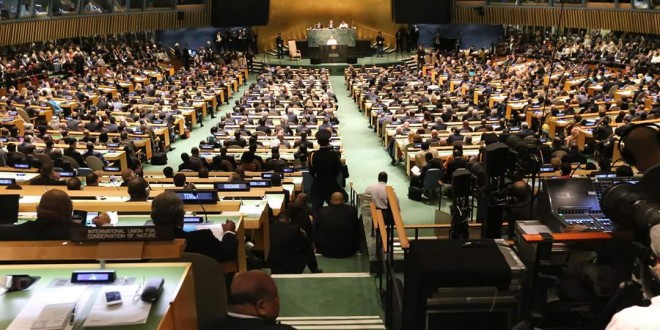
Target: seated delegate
point(54, 220)
point(167, 210)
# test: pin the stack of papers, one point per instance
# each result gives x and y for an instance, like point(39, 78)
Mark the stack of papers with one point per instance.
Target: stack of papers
point(130, 311)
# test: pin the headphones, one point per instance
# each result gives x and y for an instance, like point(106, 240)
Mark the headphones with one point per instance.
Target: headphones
point(626, 154)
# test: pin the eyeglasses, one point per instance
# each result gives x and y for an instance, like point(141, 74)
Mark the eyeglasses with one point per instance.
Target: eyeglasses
point(138, 292)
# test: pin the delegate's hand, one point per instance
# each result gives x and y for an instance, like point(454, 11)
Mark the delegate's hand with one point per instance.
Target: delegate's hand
point(229, 226)
point(101, 220)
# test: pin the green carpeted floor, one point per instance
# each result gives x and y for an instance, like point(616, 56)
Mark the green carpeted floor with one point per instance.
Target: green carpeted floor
point(345, 288)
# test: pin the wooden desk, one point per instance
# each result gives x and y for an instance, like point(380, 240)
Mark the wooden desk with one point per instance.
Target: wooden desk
point(176, 308)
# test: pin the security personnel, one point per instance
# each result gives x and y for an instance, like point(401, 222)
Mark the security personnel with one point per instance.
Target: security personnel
point(324, 166)
point(380, 44)
point(280, 45)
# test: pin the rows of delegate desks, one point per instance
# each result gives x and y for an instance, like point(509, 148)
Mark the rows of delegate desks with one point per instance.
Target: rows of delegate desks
point(176, 308)
point(247, 209)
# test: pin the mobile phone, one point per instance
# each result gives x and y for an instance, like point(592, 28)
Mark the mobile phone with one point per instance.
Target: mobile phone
point(112, 298)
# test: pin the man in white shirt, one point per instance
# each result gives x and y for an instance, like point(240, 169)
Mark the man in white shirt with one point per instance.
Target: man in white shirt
point(379, 196)
point(332, 41)
point(343, 25)
point(637, 317)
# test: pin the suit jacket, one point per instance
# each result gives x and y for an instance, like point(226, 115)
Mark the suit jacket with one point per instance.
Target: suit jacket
point(453, 138)
point(73, 153)
point(288, 248)
point(203, 242)
point(453, 166)
point(326, 166)
point(276, 165)
point(574, 156)
point(338, 231)
point(235, 323)
point(46, 182)
point(38, 230)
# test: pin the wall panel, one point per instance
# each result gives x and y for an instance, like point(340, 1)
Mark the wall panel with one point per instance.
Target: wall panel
point(610, 19)
point(19, 32)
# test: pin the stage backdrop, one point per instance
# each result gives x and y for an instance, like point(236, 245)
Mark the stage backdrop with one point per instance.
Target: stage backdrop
point(293, 17)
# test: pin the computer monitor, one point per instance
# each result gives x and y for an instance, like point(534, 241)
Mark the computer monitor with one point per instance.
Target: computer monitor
point(576, 194)
point(9, 209)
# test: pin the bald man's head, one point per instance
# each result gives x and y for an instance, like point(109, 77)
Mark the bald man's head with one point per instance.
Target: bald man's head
point(254, 293)
point(337, 198)
point(55, 206)
point(644, 145)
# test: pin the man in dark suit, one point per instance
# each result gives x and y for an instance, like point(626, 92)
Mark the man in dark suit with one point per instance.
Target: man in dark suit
point(338, 229)
point(279, 42)
point(454, 137)
point(54, 220)
point(167, 210)
point(189, 163)
point(325, 166)
point(90, 152)
point(574, 155)
point(303, 141)
point(73, 153)
point(525, 131)
point(195, 156)
point(456, 163)
point(237, 140)
point(489, 136)
point(138, 189)
point(254, 304)
point(46, 177)
point(275, 164)
point(262, 127)
point(290, 251)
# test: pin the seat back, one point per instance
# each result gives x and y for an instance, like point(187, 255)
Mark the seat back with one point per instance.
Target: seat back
point(43, 159)
point(71, 161)
point(257, 165)
point(420, 161)
point(227, 164)
point(210, 285)
point(612, 90)
point(23, 114)
point(94, 163)
point(431, 178)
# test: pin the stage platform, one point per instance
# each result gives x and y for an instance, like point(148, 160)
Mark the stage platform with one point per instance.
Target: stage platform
point(335, 68)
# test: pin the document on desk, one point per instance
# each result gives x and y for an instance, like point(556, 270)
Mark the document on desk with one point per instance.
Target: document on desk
point(127, 313)
point(216, 229)
point(51, 302)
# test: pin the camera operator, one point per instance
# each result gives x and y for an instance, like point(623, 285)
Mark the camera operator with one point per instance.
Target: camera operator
point(642, 150)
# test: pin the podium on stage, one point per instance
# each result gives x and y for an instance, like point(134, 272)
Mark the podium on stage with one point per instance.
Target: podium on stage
point(333, 53)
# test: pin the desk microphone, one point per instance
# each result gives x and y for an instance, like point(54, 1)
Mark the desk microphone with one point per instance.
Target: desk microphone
point(112, 182)
point(575, 170)
point(206, 217)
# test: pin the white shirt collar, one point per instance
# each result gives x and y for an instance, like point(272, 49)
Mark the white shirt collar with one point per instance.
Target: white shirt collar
point(242, 316)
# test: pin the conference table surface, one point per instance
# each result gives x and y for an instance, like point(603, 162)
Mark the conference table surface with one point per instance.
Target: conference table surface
point(174, 309)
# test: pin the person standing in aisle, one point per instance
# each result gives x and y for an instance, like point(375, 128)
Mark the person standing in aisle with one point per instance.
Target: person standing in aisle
point(324, 166)
point(280, 45)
